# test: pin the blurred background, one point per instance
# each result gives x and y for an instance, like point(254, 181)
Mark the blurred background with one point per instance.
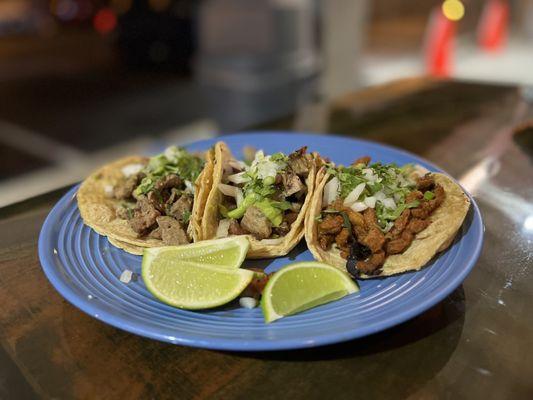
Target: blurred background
point(86, 81)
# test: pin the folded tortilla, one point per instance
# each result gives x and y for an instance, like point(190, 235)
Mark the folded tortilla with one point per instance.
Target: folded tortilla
point(97, 209)
point(266, 248)
point(437, 237)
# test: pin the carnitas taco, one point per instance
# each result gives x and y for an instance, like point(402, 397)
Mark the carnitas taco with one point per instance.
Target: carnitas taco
point(266, 199)
point(380, 219)
point(140, 202)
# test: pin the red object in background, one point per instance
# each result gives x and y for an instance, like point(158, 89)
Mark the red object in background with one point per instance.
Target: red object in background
point(439, 44)
point(105, 21)
point(493, 25)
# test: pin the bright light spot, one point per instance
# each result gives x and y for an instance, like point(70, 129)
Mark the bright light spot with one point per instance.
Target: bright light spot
point(454, 10)
point(528, 223)
point(105, 21)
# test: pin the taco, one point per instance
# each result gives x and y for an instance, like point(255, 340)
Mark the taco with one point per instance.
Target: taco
point(140, 202)
point(266, 199)
point(380, 219)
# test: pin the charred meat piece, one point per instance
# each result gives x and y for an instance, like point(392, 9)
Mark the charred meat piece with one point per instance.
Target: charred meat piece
point(331, 224)
point(167, 182)
point(361, 160)
point(399, 225)
point(144, 216)
point(255, 222)
point(300, 162)
point(426, 182)
point(156, 200)
point(343, 237)
point(290, 217)
point(417, 225)
point(325, 241)
point(181, 209)
point(282, 229)
point(426, 207)
point(124, 189)
point(171, 231)
point(291, 184)
point(374, 239)
point(372, 265)
point(413, 196)
point(401, 243)
point(235, 228)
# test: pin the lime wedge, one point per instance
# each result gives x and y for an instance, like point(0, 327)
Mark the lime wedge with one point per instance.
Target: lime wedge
point(302, 286)
point(189, 285)
point(225, 253)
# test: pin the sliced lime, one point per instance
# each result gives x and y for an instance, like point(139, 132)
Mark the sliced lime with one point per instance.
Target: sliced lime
point(226, 253)
point(302, 286)
point(191, 286)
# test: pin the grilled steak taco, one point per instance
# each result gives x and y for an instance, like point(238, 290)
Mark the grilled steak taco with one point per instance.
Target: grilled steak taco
point(378, 220)
point(266, 200)
point(148, 202)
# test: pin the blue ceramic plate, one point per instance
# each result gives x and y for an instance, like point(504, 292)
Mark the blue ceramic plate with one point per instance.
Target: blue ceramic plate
point(85, 269)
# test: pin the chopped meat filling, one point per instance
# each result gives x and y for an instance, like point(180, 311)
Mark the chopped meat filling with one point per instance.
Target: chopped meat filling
point(255, 222)
point(171, 231)
point(181, 209)
point(144, 216)
point(361, 160)
point(235, 228)
point(124, 189)
point(367, 233)
point(300, 162)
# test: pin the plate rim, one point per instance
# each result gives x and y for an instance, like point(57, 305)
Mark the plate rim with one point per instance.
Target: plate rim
point(238, 344)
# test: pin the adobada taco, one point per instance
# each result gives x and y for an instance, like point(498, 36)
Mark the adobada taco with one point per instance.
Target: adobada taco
point(378, 220)
point(140, 202)
point(266, 200)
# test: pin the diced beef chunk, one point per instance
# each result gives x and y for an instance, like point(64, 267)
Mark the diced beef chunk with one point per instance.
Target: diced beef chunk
point(342, 238)
point(144, 216)
point(235, 228)
point(123, 190)
point(331, 224)
point(282, 229)
point(181, 209)
point(374, 239)
point(290, 217)
point(156, 200)
point(300, 162)
point(291, 184)
point(167, 182)
point(255, 222)
point(417, 225)
point(172, 232)
point(400, 224)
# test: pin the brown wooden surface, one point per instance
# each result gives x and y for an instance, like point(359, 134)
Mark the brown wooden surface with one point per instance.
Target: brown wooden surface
point(474, 344)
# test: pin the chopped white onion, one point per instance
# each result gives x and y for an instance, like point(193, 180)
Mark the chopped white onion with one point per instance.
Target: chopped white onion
point(359, 206)
point(331, 191)
point(369, 175)
point(248, 302)
point(223, 228)
point(236, 164)
point(370, 201)
point(126, 276)
point(389, 226)
point(239, 197)
point(380, 196)
point(131, 169)
point(189, 187)
point(389, 203)
point(238, 178)
point(354, 194)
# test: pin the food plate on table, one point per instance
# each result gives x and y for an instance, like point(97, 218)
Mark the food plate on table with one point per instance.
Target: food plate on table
point(86, 268)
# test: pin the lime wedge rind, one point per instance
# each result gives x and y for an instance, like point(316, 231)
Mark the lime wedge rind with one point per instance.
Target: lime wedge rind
point(336, 285)
point(181, 296)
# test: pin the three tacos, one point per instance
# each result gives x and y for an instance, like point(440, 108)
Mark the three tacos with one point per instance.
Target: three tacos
point(369, 219)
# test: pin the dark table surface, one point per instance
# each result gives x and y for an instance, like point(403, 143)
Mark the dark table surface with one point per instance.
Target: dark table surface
point(474, 344)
